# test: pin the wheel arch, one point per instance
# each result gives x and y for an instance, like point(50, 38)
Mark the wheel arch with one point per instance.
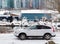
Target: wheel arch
point(47, 33)
point(22, 33)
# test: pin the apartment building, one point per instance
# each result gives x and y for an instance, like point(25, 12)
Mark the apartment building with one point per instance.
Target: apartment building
point(29, 4)
point(58, 5)
point(51, 4)
point(36, 4)
point(17, 4)
point(0, 3)
point(7, 4)
point(4, 3)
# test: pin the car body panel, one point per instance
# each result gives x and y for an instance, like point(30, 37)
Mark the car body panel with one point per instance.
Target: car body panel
point(32, 32)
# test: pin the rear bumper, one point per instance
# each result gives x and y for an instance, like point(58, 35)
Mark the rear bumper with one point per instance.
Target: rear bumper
point(53, 35)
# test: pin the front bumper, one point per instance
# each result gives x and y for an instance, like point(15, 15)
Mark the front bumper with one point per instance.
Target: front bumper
point(16, 34)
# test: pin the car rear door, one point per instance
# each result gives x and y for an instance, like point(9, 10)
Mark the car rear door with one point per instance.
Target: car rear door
point(35, 31)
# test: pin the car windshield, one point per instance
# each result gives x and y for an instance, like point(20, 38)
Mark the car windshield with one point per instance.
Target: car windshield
point(32, 27)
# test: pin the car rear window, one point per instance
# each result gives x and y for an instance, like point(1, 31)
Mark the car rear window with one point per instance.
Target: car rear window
point(58, 25)
point(46, 27)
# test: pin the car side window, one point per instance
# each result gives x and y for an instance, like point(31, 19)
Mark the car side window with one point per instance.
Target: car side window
point(39, 27)
point(46, 27)
point(43, 27)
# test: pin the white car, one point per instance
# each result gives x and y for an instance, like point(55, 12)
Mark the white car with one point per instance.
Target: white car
point(34, 31)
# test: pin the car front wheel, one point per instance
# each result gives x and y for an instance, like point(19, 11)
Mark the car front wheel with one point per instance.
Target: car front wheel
point(22, 36)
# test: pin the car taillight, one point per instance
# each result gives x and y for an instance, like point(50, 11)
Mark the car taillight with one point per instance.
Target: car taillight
point(53, 29)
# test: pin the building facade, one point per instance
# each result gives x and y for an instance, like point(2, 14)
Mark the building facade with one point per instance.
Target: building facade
point(7, 4)
point(51, 4)
point(58, 5)
point(26, 4)
point(4, 3)
point(17, 4)
point(36, 4)
point(10, 3)
point(0, 4)
point(29, 4)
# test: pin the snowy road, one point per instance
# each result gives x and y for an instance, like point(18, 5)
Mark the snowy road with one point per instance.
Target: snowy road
point(11, 39)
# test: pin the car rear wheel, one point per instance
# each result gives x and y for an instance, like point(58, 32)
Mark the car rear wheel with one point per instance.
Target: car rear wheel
point(22, 36)
point(47, 36)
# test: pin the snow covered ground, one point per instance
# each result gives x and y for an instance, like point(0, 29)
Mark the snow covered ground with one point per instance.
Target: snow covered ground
point(9, 38)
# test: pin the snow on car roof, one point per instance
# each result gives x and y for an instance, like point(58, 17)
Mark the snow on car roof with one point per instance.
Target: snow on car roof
point(4, 15)
point(38, 11)
point(4, 11)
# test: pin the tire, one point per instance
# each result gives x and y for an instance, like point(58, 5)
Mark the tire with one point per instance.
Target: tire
point(22, 36)
point(47, 36)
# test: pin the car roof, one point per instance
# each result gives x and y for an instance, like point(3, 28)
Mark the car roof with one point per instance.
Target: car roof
point(42, 25)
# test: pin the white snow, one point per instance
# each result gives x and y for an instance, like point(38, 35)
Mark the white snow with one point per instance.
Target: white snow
point(9, 38)
point(38, 11)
